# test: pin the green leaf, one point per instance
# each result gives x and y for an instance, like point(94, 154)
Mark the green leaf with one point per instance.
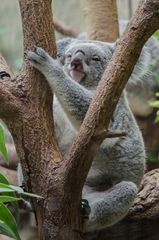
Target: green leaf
point(157, 117)
point(4, 190)
point(5, 230)
point(8, 224)
point(6, 186)
point(17, 189)
point(10, 193)
point(31, 195)
point(151, 157)
point(155, 104)
point(20, 191)
point(3, 149)
point(3, 179)
point(157, 94)
point(5, 198)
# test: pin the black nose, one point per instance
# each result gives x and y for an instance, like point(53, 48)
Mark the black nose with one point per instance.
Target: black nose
point(76, 61)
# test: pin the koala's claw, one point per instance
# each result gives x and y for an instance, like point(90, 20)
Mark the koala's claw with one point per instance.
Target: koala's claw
point(41, 52)
point(85, 209)
point(37, 57)
point(32, 57)
point(4, 74)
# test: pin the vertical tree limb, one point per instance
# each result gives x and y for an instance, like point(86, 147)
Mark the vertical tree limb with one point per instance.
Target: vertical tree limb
point(101, 19)
point(32, 130)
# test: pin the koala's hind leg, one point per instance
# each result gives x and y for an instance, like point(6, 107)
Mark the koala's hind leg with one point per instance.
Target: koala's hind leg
point(108, 207)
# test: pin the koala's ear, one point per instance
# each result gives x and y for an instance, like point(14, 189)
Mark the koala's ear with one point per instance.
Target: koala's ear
point(82, 36)
point(108, 46)
point(113, 45)
point(62, 45)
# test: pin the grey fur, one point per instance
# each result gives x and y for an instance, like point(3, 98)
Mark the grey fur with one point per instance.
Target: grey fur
point(119, 164)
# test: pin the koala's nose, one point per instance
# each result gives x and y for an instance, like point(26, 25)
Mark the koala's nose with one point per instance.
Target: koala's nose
point(77, 60)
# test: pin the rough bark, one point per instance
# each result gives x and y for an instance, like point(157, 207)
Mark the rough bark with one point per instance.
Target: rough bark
point(8, 102)
point(4, 66)
point(35, 141)
point(101, 19)
point(29, 118)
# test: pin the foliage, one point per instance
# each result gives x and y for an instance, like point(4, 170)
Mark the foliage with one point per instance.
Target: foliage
point(8, 224)
point(8, 194)
point(151, 157)
point(3, 150)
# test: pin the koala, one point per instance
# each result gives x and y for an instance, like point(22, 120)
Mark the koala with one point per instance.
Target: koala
point(118, 166)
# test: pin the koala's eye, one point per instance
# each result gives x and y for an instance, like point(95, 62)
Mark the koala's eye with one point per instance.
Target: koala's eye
point(58, 55)
point(95, 58)
point(68, 56)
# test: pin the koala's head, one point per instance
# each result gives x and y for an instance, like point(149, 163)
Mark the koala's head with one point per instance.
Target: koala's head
point(85, 61)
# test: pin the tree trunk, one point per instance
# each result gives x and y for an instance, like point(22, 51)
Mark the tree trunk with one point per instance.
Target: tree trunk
point(26, 108)
point(101, 19)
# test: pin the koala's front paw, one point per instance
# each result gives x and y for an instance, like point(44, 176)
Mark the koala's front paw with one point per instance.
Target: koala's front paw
point(85, 209)
point(39, 59)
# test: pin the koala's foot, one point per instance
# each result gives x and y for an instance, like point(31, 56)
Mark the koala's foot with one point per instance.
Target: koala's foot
point(84, 210)
point(4, 74)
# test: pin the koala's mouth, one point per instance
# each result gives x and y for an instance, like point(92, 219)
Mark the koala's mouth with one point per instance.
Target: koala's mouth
point(77, 75)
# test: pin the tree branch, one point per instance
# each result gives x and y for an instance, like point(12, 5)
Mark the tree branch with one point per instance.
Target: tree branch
point(64, 29)
point(9, 104)
point(4, 66)
point(108, 134)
